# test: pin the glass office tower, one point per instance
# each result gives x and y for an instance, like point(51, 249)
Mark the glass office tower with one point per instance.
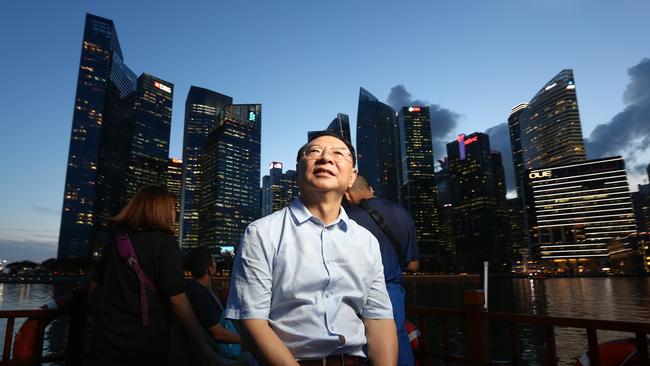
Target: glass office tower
point(378, 146)
point(418, 182)
point(202, 110)
point(229, 196)
point(546, 131)
point(149, 132)
point(102, 103)
point(480, 223)
point(339, 125)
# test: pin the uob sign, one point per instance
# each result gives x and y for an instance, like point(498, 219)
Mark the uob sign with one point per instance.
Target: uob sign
point(535, 175)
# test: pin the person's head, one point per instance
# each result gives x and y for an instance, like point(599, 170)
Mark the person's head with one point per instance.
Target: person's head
point(325, 163)
point(153, 208)
point(200, 262)
point(359, 190)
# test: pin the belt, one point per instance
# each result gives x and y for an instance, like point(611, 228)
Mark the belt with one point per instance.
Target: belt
point(336, 360)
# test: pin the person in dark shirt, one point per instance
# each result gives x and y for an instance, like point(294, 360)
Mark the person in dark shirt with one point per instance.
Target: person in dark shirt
point(205, 304)
point(120, 335)
point(400, 224)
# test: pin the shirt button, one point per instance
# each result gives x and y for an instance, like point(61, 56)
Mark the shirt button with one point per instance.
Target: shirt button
point(327, 294)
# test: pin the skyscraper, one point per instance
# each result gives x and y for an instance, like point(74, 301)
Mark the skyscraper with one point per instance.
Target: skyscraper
point(546, 131)
point(576, 209)
point(418, 183)
point(230, 181)
point(149, 135)
point(278, 188)
point(515, 144)
point(173, 183)
point(202, 109)
point(378, 146)
point(272, 197)
point(480, 223)
point(104, 86)
point(339, 125)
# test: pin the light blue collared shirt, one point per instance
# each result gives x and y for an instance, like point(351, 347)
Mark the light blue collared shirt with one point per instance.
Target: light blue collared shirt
point(314, 283)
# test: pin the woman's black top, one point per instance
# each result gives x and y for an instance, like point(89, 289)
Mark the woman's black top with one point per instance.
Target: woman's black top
point(120, 337)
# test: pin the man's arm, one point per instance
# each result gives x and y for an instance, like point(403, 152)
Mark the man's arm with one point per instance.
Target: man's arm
point(261, 340)
point(223, 335)
point(182, 308)
point(413, 266)
point(382, 341)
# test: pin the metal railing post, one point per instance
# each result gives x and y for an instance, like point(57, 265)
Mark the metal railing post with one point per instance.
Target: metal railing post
point(475, 328)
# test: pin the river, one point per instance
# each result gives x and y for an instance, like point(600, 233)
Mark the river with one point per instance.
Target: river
point(611, 298)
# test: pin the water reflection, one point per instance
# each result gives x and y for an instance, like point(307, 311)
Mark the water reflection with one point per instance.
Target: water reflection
point(597, 298)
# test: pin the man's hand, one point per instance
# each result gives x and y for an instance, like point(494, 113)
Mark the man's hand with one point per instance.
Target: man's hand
point(413, 266)
point(223, 335)
point(266, 346)
point(382, 341)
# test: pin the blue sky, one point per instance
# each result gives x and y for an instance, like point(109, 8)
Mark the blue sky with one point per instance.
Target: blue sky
point(304, 61)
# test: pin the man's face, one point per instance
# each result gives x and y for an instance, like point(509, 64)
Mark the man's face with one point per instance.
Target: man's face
point(328, 170)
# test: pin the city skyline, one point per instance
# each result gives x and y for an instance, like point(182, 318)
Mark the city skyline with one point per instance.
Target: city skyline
point(37, 138)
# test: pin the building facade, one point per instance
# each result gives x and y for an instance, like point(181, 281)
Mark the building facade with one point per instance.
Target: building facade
point(630, 254)
point(230, 181)
point(378, 146)
point(202, 110)
point(149, 132)
point(339, 125)
point(418, 181)
point(278, 188)
point(480, 221)
point(104, 88)
point(173, 182)
point(576, 210)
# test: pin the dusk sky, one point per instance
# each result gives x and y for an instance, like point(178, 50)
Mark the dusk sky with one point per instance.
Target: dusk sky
point(304, 61)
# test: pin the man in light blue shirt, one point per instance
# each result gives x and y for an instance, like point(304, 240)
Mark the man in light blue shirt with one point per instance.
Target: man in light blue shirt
point(308, 282)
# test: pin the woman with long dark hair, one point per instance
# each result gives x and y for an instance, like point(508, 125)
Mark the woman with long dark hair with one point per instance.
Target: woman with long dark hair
point(133, 306)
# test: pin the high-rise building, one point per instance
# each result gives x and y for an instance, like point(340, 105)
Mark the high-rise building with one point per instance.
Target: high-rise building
point(418, 182)
point(641, 202)
point(272, 194)
point(546, 131)
point(515, 144)
point(378, 146)
point(339, 125)
point(576, 209)
point(104, 86)
point(630, 254)
point(278, 188)
point(173, 183)
point(230, 181)
point(445, 219)
point(478, 196)
point(149, 135)
point(202, 109)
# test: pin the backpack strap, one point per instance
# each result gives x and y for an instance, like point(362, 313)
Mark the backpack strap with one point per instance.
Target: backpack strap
point(379, 220)
point(127, 253)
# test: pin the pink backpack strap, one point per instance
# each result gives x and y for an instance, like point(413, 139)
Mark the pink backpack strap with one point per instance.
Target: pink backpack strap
point(127, 253)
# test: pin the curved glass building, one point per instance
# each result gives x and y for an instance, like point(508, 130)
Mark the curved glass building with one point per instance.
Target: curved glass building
point(378, 146)
point(550, 125)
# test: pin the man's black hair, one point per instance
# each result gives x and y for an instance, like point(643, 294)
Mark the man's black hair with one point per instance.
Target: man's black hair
point(318, 134)
point(198, 261)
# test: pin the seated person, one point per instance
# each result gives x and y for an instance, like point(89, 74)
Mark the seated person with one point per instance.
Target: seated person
point(205, 304)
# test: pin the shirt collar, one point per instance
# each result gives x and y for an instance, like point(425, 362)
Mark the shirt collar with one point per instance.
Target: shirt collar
point(302, 214)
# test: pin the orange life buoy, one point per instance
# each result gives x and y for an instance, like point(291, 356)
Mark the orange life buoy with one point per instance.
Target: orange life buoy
point(414, 339)
point(620, 352)
point(25, 341)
